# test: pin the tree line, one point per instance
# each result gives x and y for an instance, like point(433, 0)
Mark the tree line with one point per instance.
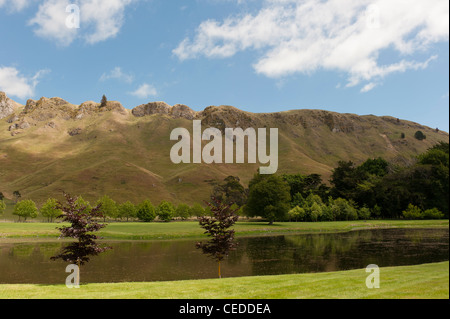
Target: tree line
point(144, 211)
point(373, 189)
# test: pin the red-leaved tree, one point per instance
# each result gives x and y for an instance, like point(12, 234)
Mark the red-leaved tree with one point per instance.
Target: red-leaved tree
point(218, 227)
point(82, 226)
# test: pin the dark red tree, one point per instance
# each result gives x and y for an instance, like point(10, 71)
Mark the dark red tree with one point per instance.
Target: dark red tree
point(218, 227)
point(82, 225)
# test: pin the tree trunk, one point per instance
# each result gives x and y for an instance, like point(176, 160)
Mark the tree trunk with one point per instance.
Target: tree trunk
point(220, 275)
point(78, 273)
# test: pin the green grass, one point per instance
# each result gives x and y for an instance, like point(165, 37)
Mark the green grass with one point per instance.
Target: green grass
point(191, 229)
point(428, 281)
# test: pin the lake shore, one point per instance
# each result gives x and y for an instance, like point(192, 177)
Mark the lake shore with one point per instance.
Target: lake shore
point(23, 232)
point(426, 281)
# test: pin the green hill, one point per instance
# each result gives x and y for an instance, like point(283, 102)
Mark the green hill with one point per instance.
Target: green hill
point(51, 145)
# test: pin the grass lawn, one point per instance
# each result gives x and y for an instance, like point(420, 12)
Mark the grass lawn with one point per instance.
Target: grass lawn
point(427, 281)
point(191, 229)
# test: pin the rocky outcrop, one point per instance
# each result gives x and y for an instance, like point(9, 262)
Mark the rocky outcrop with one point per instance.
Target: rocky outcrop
point(74, 131)
point(6, 106)
point(47, 108)
point(176, 111)
point(151, 108)
point(90, 107)
point(181, 110)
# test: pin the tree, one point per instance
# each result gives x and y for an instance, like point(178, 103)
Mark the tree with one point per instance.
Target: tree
point(218, 227)
point(420, 136)
point(230, 191)
point(269, 197)
point(297, 214)
point(82, 226)
point(26, 209)
point(183, 211)
point(127, 210)
point(2, 206)
point(2, 197)
point(344, 180)
point(165, 211)
point(109, 207)
point(197, 210)
point(84, 204)
point(146, 211)
point(104, 101)
point(17, 196)
point(50, 209)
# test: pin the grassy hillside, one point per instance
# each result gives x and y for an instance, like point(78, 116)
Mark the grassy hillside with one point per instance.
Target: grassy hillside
point(90, 151)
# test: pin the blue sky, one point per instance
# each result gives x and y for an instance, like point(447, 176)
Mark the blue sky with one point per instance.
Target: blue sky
point(365, 57)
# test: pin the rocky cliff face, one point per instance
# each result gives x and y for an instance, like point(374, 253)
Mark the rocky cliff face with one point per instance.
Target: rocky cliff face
point(176, 111)
point(6, 106)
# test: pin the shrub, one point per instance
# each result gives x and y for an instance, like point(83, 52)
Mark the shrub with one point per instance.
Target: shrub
point(412, 212)
point(420, 136)
point(433, 213)
point(364, 213)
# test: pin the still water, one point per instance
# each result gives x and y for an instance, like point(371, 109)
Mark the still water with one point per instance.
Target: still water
point(179, 259)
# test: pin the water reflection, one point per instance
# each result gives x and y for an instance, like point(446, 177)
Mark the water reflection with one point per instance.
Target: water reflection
point(179, 260)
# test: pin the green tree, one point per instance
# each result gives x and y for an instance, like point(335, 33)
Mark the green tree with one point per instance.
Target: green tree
point(127, 210)
point(413, 212)
point(364, 213)
point(104, 101)
point(2, 206)
point(165, 211)
point(183, 211)
point(269, 197)
point(25, 209)
point(433, 213)
point(230, 191)
point(197, 210)
point(297, 214)
point(420, 136)
point(343, 209)
point(80, 202)
point(50, 209)
point(109, 207)
point(146, 212)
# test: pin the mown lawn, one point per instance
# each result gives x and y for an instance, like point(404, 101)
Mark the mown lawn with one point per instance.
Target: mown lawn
point(191, 229)
point(427, 281)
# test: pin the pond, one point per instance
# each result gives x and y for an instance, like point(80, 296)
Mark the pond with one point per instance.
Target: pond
point(141, 261)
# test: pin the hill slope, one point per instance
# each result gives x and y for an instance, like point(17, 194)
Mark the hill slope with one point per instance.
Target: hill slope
point(51, 145)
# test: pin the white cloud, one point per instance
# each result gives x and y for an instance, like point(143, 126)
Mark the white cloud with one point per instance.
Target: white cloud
point(15, 84)
point(117, 74)
point(303, 36)
point(51, 21)
point(368, 87)
point(99, 20)
point(15, 5)
point(145, 91)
